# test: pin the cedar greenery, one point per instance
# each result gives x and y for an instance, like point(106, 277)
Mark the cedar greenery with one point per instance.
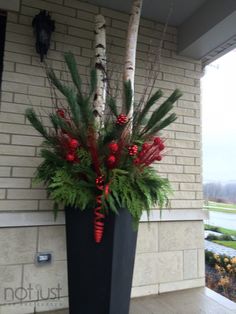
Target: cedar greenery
point(131, 186)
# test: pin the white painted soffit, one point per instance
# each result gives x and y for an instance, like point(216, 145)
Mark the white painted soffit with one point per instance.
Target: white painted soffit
point(209, 29)
point(10, 5)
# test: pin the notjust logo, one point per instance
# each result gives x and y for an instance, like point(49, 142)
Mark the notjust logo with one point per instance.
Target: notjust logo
point(31, 293)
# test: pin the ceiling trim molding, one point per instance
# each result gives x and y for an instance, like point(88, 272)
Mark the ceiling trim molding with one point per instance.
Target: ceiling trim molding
point(12, 5)
point(210, 28)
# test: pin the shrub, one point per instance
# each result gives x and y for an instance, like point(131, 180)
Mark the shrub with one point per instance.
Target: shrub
point(223, 237)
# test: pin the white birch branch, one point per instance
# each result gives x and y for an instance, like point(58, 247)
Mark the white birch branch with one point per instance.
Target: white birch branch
point(100, 65)
point(131, 44)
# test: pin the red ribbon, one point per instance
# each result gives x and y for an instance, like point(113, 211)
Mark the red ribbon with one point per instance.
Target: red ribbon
point(98, 215)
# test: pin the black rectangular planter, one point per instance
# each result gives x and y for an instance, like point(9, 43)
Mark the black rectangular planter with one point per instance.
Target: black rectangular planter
point(99, 275)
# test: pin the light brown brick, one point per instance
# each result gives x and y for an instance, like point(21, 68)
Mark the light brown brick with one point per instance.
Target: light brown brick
point(20, 161)
point(14, 183)
point(23, 172)
point(20, 194)
point(4, 138)
point(12, 118)
point(27, 140)
point(190, 187)
point(6, 205)
point(5, 171)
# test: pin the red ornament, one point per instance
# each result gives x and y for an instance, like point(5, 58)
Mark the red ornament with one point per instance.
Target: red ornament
point(73, 143)
point(113, 147)
point(70, 157)
point(159, 158)
point(111, 161)
point(122, 119)
point(61, 113)
point(133, 150)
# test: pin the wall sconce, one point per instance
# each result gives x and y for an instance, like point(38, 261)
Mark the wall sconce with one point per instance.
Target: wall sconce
point(43, 27)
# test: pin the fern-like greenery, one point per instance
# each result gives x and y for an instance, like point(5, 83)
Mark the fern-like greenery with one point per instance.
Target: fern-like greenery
point(130, 185)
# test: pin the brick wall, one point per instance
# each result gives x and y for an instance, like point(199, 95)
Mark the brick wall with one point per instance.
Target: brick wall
point(170, 253)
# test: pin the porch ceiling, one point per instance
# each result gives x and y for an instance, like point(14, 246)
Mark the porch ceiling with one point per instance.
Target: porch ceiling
point(206, 28)
point(158, 10)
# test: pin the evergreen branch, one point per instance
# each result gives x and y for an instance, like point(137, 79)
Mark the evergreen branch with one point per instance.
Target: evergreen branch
point(65, 90)
point(72, 66)
point(36, 123)
point(160, 112)
point(161, 125)
point(112, 105)
point(156, 96)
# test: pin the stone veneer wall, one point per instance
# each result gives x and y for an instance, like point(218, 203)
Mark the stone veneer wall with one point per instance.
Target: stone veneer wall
point(170, 254)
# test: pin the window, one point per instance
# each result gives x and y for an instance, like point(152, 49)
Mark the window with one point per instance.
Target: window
point(3, 20)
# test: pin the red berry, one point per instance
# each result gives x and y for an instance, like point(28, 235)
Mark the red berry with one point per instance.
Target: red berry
point(158, 140)
point(61, 113)
point(73, 143)
point(113, 147)
point(145, 146)
point(70, 157)
point(159, 158)
point(161, 146)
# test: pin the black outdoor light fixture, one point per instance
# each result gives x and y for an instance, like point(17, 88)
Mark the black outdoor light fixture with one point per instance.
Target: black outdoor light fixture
point(43, 27)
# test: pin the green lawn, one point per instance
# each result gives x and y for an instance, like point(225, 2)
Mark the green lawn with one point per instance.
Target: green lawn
point(231, 244)
point(221, 230)
point(233, 206)
point(221, 210)
point(221, 207)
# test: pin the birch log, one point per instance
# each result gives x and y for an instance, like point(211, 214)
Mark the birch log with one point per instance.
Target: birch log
point(100, 65)
point(131, 44)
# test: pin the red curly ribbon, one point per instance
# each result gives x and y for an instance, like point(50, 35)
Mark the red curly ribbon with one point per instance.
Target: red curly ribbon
point(98, 215)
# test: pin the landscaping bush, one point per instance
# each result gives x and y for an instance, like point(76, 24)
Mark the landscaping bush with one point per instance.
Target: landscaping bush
point(211, 228)
point(221, 274)
point(223, 237)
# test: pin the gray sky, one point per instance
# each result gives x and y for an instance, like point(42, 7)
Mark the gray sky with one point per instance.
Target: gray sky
point(219, 119)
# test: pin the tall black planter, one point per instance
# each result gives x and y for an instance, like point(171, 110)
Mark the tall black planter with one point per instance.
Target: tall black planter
point(99, 275)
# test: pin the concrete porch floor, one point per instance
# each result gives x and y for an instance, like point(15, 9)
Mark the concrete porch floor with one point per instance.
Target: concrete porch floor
point(191, 301)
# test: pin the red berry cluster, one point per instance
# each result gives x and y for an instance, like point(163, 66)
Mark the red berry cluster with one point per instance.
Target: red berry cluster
point(61, 113)
point(100, 180)
point(133, 150)
point(121, 119)
point(159, 142)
